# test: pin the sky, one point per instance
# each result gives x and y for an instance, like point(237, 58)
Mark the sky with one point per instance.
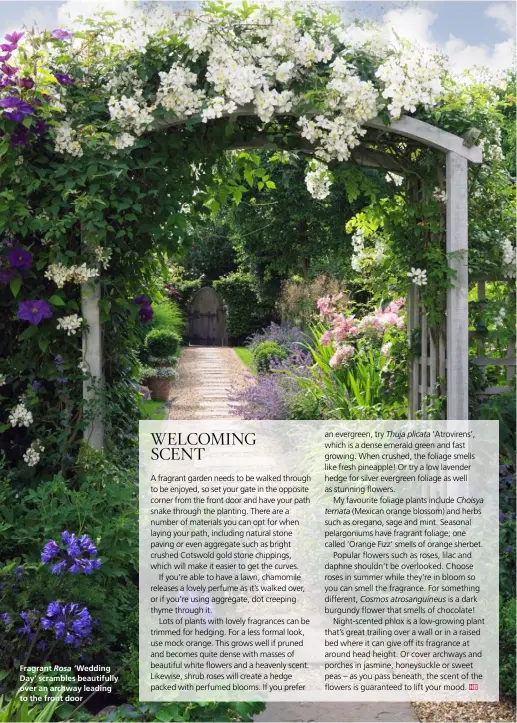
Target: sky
point(470, 32)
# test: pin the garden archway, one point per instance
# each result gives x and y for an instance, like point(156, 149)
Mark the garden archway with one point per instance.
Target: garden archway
point(458, 153)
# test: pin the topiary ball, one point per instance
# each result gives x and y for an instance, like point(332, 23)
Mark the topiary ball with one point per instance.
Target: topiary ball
point(265, 352)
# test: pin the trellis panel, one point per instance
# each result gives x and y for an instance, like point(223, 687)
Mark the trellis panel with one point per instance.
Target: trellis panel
point(429, 364)
point(481, 360)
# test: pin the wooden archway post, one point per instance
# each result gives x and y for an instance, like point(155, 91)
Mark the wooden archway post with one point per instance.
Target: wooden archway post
point(92, 356)
point(457, 242)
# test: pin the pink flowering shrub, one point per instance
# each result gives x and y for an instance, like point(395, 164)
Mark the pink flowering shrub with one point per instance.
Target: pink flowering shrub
point(360, 365)
point(344, 329)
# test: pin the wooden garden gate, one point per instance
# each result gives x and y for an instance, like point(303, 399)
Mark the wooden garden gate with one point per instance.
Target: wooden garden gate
point(207, 319)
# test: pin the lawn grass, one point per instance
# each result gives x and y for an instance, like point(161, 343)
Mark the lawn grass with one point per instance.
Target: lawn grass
point(152, 410)
point(246, 357)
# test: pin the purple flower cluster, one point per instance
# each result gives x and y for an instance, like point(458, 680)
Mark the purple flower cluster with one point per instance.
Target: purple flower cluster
point(296, 363)
point(69, 622)
point(30, 620)
point(61, 34)
point(78, 555)
point(15, 108)
point(282, 334)
point(59, 363)
point(260, 398)
point(146, 310)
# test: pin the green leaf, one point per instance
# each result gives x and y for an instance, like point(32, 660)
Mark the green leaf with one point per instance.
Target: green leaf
point(43, 343)
point(29, 332)
point(56, 300)
point(248, 175)
point(16, 285)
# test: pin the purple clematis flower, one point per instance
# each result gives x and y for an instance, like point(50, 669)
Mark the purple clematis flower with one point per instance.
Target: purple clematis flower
point(26, 83)
point(14, 37)
point(9, 70)
point(40, 126)
point(8, 47)
point(20, 259)
point(146, 312)
point(141, 299)
point(14, 103)
point(64, 79)
point(61, 34)
point(34, 311)
point(6, 276)
point(20, 137)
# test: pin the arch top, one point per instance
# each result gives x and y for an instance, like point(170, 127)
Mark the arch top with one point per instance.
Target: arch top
point(406, 126)
point(429, 135)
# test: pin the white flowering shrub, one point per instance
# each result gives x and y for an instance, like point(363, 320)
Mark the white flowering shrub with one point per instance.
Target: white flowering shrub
point(60, 274)
point(268, 60)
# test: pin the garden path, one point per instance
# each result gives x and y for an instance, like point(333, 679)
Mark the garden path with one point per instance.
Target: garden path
point(200, 391)
point(205, 374)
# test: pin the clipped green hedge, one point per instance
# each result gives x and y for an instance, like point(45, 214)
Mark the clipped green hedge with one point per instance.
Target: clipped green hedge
point(246, 313)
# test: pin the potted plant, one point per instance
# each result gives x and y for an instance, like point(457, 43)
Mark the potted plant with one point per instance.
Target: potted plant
point(158, 380)
point(161, 346)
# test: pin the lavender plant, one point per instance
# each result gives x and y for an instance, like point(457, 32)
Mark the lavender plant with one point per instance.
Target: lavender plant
point(260, 398)
point(283, 334)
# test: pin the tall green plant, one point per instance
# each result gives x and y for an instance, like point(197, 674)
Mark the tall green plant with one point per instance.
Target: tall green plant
point(354, 391)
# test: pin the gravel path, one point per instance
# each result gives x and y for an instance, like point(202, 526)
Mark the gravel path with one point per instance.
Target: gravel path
point(205, 374)
point(200, 391)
